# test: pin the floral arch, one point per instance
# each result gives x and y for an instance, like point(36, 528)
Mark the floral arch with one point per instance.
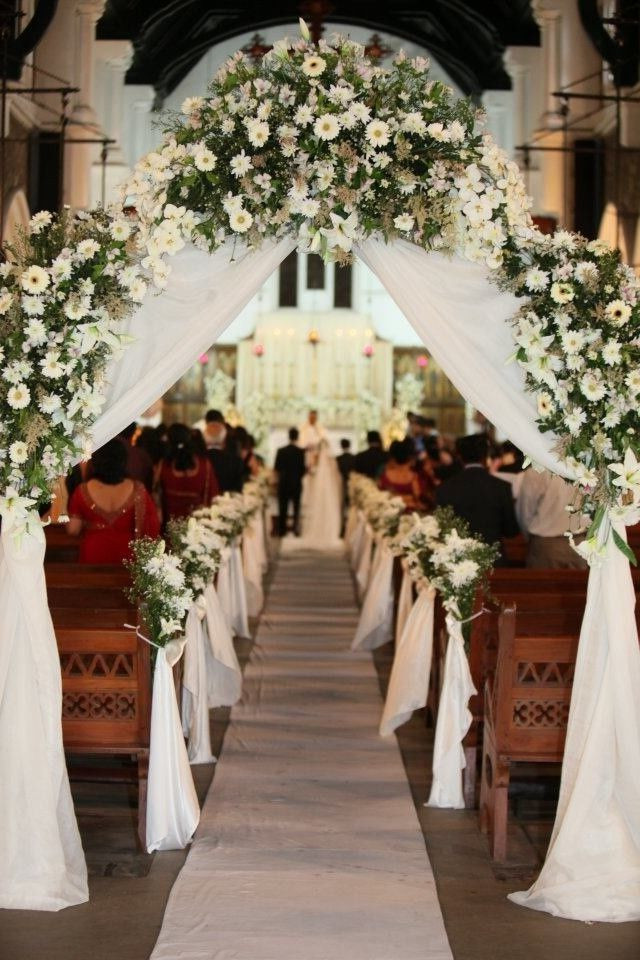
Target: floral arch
point(315, 147)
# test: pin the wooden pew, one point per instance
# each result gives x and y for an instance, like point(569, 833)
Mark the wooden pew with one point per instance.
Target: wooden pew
point(60, 546)
point(526, 712)
point(106, 677)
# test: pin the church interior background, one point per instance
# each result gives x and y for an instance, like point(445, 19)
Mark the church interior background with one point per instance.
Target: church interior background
point(86, 101)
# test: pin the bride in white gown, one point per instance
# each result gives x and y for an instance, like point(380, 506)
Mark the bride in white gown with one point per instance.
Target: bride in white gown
point(322, 503)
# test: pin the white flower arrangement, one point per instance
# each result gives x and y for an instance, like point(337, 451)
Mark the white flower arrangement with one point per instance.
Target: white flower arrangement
point(199, 549)
point(382, 510)
point(159, 587)
point(440, 551)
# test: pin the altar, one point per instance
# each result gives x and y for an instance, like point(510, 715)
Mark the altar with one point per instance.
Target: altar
point(330, 361)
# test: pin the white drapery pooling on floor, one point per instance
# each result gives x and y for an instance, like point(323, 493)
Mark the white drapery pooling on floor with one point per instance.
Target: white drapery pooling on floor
point(464, 320)
point(376, 617)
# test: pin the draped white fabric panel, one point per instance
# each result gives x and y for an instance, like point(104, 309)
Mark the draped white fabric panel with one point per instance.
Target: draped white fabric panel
point(454, 719)
point(363, 567)
point(592, 870)
point(462, 318)
point(376, 616)
point(41, 860)
point(409, 681)
point(224, 677)
point(195, 705)
point(172, 804)
point(253, 564)
point(405, 601)
point(232, 594)
point(204, 294)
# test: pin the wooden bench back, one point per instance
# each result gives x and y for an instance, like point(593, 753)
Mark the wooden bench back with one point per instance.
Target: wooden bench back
point(531, 691)
point(106, 685)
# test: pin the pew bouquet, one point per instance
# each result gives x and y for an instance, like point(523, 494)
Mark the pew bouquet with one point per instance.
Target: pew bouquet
point(199, 547)
point(159, 588)
point(440, 550)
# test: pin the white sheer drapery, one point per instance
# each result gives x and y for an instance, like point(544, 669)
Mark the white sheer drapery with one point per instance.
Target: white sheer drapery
point(376, 615)
point(232, 592)
point(224, 676)
point(453, 721)
point(173, 811)
point(363, 567)
point(405, 600)
point(464, 321)
point(253, 562)
point(409, 681)
point(195, 701)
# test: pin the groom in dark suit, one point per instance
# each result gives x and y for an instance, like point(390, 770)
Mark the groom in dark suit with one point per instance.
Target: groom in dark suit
point(290, 468)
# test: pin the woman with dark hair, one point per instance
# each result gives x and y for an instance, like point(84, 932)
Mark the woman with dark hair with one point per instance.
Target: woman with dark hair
point(399, 476)
point(110, 509)
point(187, 479)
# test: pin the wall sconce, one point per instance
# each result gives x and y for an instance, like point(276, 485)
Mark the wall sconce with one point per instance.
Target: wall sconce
point(313, 337)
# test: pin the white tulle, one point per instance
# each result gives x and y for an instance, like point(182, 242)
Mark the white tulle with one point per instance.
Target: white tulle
point(376, 617)
point(232, 592)
point(454, 719)
point(195, 705)
point(172, 804)
point(409, 680)
point(224, 677)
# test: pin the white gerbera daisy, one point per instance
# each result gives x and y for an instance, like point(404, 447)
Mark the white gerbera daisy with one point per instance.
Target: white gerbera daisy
point(192, 105)
point(326, 127)
point(240, 220)
point(592, 386)
point(632, 380)
point(258, 132)
point(404, 222)
point(313, 66)
point(562, 292)
point(50, 403)
point(36, 332)
point(546, 405)
point(39, 221)
point(618, 312)
point(34, 280)
point(32, 306)
point(611, 352)
point(536, 279)
point(18, 397)
point(240, 164)
point(120, 230)
point(87, 249)
point(204, 160)
point(414, 123)
point(18, 452)
point(378, 133)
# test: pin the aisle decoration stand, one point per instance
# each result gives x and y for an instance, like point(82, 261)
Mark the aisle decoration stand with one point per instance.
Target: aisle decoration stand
point(314, 147)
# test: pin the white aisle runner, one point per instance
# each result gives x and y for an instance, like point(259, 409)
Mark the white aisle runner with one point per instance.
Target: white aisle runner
point(309, 846)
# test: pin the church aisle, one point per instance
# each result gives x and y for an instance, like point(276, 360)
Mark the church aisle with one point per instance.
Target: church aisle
point(309, 847)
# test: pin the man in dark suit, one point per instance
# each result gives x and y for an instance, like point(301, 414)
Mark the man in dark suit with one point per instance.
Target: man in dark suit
point(371, 461)
point(290, 468)
point(345, 462)
point(481, 499)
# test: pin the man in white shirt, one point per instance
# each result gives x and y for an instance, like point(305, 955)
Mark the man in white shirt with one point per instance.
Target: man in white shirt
point(541, 508)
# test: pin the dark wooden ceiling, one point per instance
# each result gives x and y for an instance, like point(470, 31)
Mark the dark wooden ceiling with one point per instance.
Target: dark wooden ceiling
point(467, 37)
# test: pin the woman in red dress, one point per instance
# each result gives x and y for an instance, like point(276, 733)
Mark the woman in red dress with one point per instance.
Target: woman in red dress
point(187, 478)
point(399, 477)
point(110, 510)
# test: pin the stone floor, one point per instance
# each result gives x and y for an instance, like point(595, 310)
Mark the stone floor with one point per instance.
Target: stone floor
point(129, 889)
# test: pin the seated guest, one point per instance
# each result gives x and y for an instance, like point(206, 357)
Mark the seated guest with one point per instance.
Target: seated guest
point(153, 441)
point(481, 499)
point(345, 461)
point(110, 509)
point(541, 509)
point(290, 468)
point(187, 480)
point(371, 461)
point(228, 465)
point(139, 465)
point(213, 429)
point(399, 476)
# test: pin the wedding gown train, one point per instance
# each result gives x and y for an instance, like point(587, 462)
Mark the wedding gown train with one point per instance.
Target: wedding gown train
point(322, 504)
